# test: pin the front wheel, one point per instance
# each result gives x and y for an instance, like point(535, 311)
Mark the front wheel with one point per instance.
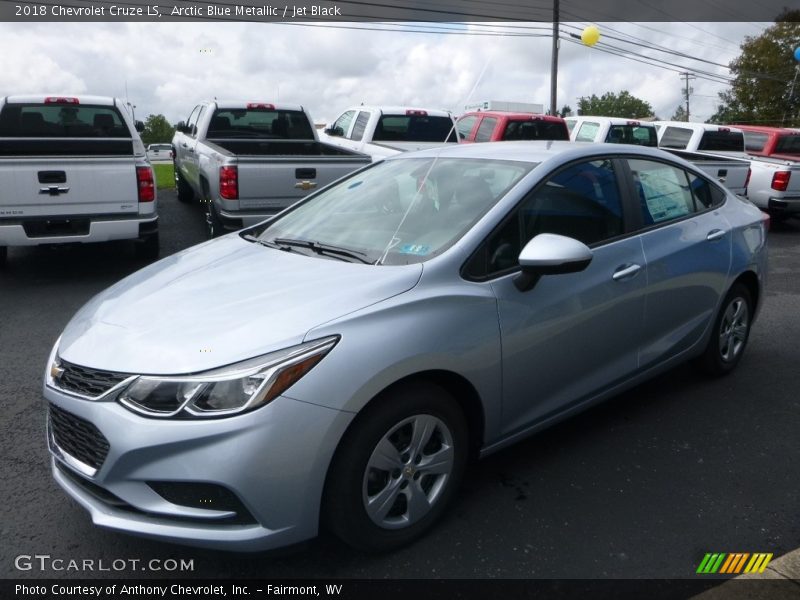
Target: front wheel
point(397, 469)
point(730, 334)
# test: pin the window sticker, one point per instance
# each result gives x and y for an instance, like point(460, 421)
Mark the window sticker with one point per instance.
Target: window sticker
point(415, 249)
point(664, 195)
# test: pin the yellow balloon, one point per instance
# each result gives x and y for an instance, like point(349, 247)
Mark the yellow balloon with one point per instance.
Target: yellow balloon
point(590, 35)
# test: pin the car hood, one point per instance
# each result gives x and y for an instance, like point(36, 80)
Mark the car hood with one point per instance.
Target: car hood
point(218, 303)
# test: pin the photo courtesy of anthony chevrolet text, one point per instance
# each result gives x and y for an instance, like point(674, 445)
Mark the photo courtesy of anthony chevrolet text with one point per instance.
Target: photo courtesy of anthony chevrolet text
point(348, 299)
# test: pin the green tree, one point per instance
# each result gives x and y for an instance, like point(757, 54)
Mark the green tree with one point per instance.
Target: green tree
point(566, 111)
point(766, 85)
point(679, 114)
point(615, 105)
point(157, 130)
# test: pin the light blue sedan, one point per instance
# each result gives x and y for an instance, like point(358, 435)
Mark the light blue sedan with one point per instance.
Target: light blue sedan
point(340, 363)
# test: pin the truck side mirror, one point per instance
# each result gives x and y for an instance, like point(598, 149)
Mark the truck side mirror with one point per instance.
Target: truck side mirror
point(334, 131)
point(181, 126)
point(139, 126)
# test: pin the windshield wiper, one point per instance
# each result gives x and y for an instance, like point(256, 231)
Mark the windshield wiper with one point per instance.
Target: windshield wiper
point(286, 243)
point(251, 238)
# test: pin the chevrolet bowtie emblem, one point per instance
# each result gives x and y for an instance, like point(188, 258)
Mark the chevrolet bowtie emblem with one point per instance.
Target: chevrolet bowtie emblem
point(305, 185)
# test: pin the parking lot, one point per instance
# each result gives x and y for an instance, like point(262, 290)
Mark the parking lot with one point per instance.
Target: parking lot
point(642, 486)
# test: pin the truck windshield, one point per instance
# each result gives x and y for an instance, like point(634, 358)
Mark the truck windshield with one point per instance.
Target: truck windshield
point(788, 144)
point(396, 212)
point(722, 141)
point(632, 134)
point(414, 128)
point(260, 122)
point(32, 120)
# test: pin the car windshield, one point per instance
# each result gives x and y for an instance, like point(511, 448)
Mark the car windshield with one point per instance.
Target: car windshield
point(396, 212)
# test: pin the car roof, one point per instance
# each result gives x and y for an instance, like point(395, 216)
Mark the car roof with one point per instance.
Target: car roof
point(612, 120)
point(40, 99)
point(513, 115)
point(401, 110)
point(701, 126)
point(536, 151)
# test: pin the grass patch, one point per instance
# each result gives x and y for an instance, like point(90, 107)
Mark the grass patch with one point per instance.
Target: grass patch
point(165, 176)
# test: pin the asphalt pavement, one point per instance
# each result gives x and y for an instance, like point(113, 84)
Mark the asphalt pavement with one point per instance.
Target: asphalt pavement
point(642, 486)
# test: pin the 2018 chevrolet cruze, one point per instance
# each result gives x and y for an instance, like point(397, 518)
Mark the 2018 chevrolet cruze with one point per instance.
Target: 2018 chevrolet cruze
point(339, 363)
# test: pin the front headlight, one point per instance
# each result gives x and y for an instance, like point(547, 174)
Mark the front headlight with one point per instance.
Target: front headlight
point(227, 391)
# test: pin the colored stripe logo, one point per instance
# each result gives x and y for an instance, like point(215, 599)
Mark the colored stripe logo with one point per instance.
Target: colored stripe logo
point(734, 564)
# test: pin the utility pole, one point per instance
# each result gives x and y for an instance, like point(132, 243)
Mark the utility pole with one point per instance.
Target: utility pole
point(687, 90)
point(554, 63)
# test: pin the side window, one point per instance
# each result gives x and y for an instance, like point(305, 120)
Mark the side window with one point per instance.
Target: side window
point(706, 195)
point(581, 201)
point(360, 126)
point(755, 142)
point(484, 133)
point(587, 132)
point(664, 191)
point(342, 124)
point(192, 122)
point(465, 125)
point(675, 137)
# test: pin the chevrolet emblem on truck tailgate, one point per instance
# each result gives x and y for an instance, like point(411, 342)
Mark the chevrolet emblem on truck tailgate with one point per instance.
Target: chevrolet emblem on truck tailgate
point(305, 185)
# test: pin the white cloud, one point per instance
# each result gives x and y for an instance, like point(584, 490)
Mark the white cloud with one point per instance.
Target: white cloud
point(168, 68)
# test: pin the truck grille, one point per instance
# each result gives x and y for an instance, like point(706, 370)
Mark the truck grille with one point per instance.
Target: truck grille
point(86, 381)
point(78, 437)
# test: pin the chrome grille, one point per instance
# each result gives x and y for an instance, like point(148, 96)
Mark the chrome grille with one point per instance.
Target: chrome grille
point(86, 381)
point(78, 437)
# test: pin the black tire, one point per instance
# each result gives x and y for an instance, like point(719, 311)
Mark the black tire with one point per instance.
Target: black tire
point(730, 333)
point(403, 477)
point(183, 189)
point(147, 248)
point(213, 222)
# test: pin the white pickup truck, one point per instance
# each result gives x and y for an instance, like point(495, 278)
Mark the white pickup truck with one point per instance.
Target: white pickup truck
point(382, 131)
point(611, 130)
point(74, 170)
point(249, 160)
point(771, 184)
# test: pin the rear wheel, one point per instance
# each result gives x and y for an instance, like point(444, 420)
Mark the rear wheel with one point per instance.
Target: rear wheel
point(730, 334)
point(213, 222)
point(397, 468)
point(183, 189)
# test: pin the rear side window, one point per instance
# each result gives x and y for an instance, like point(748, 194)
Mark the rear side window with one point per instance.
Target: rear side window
point(260, 122)
point(722, 141)
point(360, 126)
point(675, 137)
point(754, 142)
point(587, 132)
point(414, 128)
point(62, 121)
point(706, 195)
point(535, 130)
point(484, 133)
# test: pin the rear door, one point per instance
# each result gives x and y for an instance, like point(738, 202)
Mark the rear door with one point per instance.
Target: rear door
point(61, 157)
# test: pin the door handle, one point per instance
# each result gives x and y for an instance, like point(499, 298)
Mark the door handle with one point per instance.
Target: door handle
point(185, 145)
point(626, 272)
point(714, 235)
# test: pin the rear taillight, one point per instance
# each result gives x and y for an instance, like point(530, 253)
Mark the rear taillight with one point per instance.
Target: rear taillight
point(747, 179)
point(229, 183)
point(780, 180)
point(146, 184)
point(60, 100)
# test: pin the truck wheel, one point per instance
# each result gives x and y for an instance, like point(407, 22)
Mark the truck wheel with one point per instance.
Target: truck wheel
point(147, 248)
point(396, 469)
point(213, 222)
point(183, 189)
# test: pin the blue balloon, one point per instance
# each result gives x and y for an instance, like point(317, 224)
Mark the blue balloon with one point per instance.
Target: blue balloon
point(797, 53)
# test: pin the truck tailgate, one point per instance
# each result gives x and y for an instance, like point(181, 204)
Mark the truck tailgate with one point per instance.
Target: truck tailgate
point(60, 186)
point(275, 183)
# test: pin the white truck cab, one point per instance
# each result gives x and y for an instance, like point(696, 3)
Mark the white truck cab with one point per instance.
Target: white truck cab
point(612, 130)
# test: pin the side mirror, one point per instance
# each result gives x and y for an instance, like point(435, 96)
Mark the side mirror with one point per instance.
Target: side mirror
point(181, 126)
point(334, 131)
point(550, 254)
point(139, 126)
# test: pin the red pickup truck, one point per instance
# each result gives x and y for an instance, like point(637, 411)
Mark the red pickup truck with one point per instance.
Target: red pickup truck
point(774, 142)
point(498, 126)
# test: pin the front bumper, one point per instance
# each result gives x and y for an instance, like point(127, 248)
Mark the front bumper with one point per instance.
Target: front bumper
point(274, 460)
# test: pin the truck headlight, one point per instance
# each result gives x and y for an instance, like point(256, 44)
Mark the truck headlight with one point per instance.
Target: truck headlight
point(227, 391)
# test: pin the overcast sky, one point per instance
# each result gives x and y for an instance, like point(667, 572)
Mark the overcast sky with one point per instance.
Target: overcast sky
point(168, 68)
